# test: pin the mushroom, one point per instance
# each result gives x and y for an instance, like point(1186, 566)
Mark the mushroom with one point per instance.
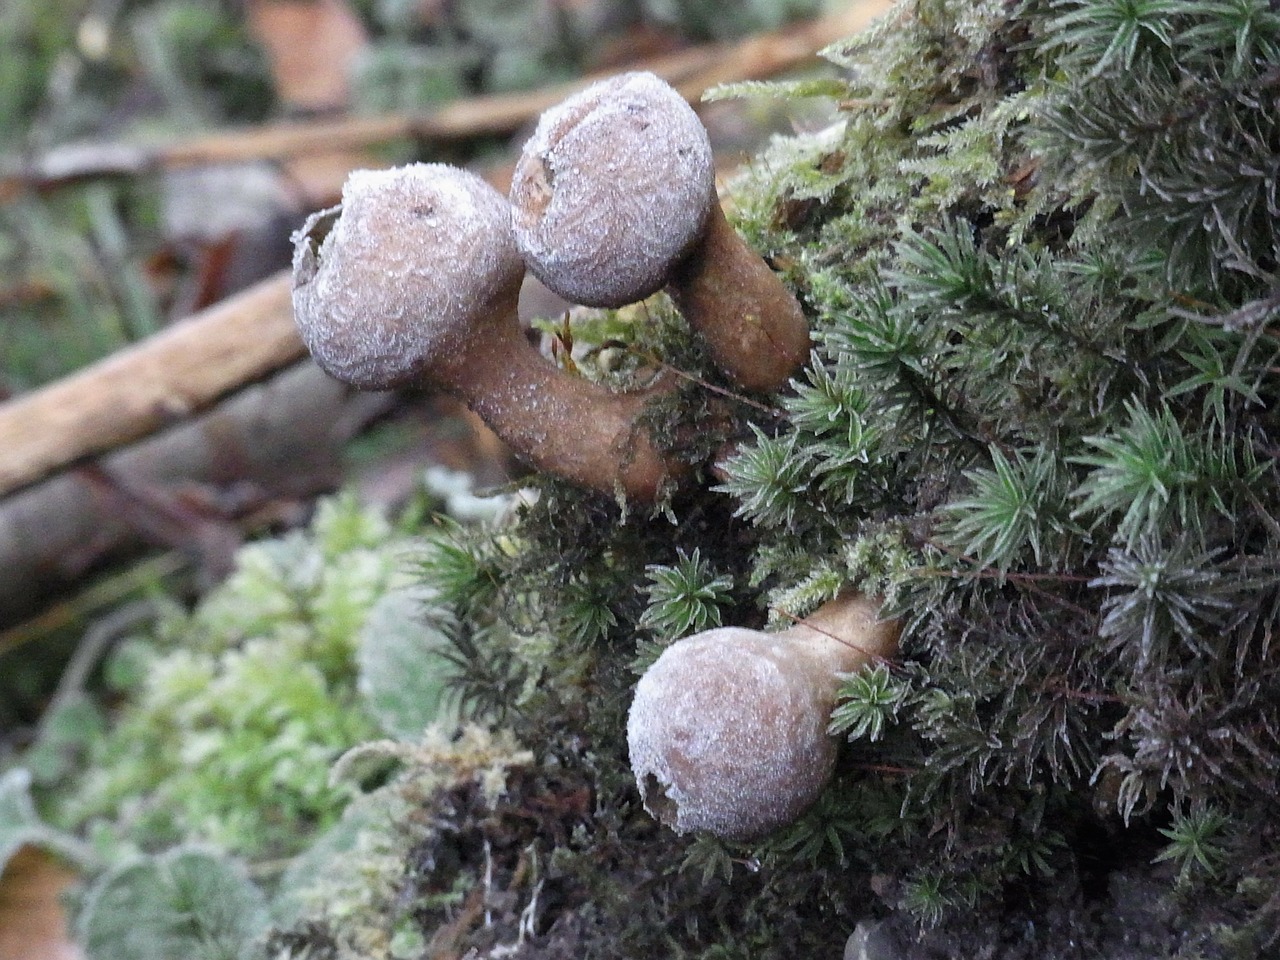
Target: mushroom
point(728, 728)
point(614, 197)
point(413, 281)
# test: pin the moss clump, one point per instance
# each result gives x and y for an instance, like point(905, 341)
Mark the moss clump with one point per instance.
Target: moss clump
point(233, 713)
point(1039, 248)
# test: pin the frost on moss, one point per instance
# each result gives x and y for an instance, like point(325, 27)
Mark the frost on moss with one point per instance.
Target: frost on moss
point(1038, 244)
point(234, 712)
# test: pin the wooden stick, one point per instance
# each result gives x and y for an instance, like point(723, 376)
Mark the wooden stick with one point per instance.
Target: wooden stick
point(769, 54)
point(691, 71)
point(249, 461)
point(166, 378)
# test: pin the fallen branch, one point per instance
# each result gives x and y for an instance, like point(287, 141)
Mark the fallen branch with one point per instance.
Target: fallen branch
point(168, 377)
point(275, 444)
point(692, 72)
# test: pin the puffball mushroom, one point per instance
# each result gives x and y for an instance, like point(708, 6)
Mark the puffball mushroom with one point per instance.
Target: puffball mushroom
point(614, 197)
point(728, 728)
point(413, 281)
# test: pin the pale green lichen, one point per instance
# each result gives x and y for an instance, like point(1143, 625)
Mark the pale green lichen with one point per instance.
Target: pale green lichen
point(236, 710)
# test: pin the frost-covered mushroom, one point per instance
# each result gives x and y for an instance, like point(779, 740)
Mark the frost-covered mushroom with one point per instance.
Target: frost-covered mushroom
point(413, 281)
point(614, 197)
point(728, 728)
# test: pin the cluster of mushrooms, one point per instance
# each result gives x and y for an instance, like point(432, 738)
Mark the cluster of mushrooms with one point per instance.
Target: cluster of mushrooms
point(413, 281)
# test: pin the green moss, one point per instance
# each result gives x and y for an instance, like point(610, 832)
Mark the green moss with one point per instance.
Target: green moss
point(235, 711)
point(1039, 252)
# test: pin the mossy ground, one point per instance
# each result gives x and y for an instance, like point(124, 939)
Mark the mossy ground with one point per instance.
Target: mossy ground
point(1039, 249)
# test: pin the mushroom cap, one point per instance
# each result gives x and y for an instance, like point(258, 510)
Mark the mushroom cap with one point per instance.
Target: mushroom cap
point(399, 276)
point(728, 732)
point(614, 187)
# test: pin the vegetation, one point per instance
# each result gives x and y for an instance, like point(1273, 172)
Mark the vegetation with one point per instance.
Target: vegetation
point(235, 713)
point(1040, 251)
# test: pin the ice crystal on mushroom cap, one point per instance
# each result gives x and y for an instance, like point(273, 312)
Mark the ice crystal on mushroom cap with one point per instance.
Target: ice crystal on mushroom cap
point(614, 184)
point(727, 733)
point(377, 280)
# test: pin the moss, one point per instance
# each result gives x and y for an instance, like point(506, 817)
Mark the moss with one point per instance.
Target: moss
point(1039, 422)
point(230, 716)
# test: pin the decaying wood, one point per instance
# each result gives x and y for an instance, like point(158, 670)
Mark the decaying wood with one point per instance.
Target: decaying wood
point(182, 370)
point(691, 71)
point(278, 441)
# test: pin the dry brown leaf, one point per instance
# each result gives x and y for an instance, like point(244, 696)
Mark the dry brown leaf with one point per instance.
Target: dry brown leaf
point(33, 923)
point(311, 45)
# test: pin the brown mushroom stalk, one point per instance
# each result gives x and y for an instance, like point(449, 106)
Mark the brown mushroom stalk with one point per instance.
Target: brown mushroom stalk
point(614, 198)
point(413, 281)
point(728, 728)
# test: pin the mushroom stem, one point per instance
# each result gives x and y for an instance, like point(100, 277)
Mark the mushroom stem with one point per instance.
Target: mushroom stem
point(753, 326)
point(728, 728)
point(846, 634)
point(563, 424)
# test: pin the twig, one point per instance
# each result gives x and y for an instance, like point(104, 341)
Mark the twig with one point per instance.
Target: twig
point(709, 387)
point(159, 381)
point(102, 596)
point(97, 640)
point(691, 71)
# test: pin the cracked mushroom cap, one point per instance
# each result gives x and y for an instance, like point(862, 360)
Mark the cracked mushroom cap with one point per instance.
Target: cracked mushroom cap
point(614, 186)
point(402, 273)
